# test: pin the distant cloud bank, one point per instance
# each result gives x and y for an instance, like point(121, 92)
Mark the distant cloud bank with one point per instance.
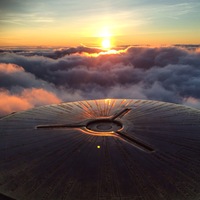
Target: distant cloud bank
point(33, 77)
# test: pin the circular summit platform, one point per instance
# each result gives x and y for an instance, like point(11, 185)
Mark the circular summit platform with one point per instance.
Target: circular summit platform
point(110, 149)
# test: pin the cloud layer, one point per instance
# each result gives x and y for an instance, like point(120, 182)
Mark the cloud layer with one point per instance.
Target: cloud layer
point(31, 78)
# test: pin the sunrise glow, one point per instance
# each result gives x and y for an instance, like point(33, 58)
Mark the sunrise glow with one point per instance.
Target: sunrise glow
point(75, 50)
point(64, 23)
point(106, 44)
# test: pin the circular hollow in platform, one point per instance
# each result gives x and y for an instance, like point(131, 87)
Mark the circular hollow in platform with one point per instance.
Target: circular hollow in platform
point(104, 125)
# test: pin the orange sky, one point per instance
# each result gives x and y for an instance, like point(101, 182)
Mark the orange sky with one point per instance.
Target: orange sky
point(60, 23)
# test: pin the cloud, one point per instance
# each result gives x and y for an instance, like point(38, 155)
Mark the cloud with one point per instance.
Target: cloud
point(15, 78)
point(25, 100)
point(192, 102)
point(10, 68)
point(11, 103)
point(169, 74)
point(39, 97)
point(81, 49)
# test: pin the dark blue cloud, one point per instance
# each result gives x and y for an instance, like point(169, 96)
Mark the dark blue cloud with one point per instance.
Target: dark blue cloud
point(169, 74)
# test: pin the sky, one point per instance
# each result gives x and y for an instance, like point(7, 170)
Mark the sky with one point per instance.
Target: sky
point(54, 51)
point(87, 22)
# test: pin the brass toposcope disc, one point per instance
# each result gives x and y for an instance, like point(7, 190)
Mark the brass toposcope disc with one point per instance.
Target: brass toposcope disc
point(109, 149)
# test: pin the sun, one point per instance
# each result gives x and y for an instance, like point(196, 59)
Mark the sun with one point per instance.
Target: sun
point(106, 44)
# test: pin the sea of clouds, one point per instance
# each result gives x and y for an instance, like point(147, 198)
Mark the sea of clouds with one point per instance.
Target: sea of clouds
point(35, 77)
